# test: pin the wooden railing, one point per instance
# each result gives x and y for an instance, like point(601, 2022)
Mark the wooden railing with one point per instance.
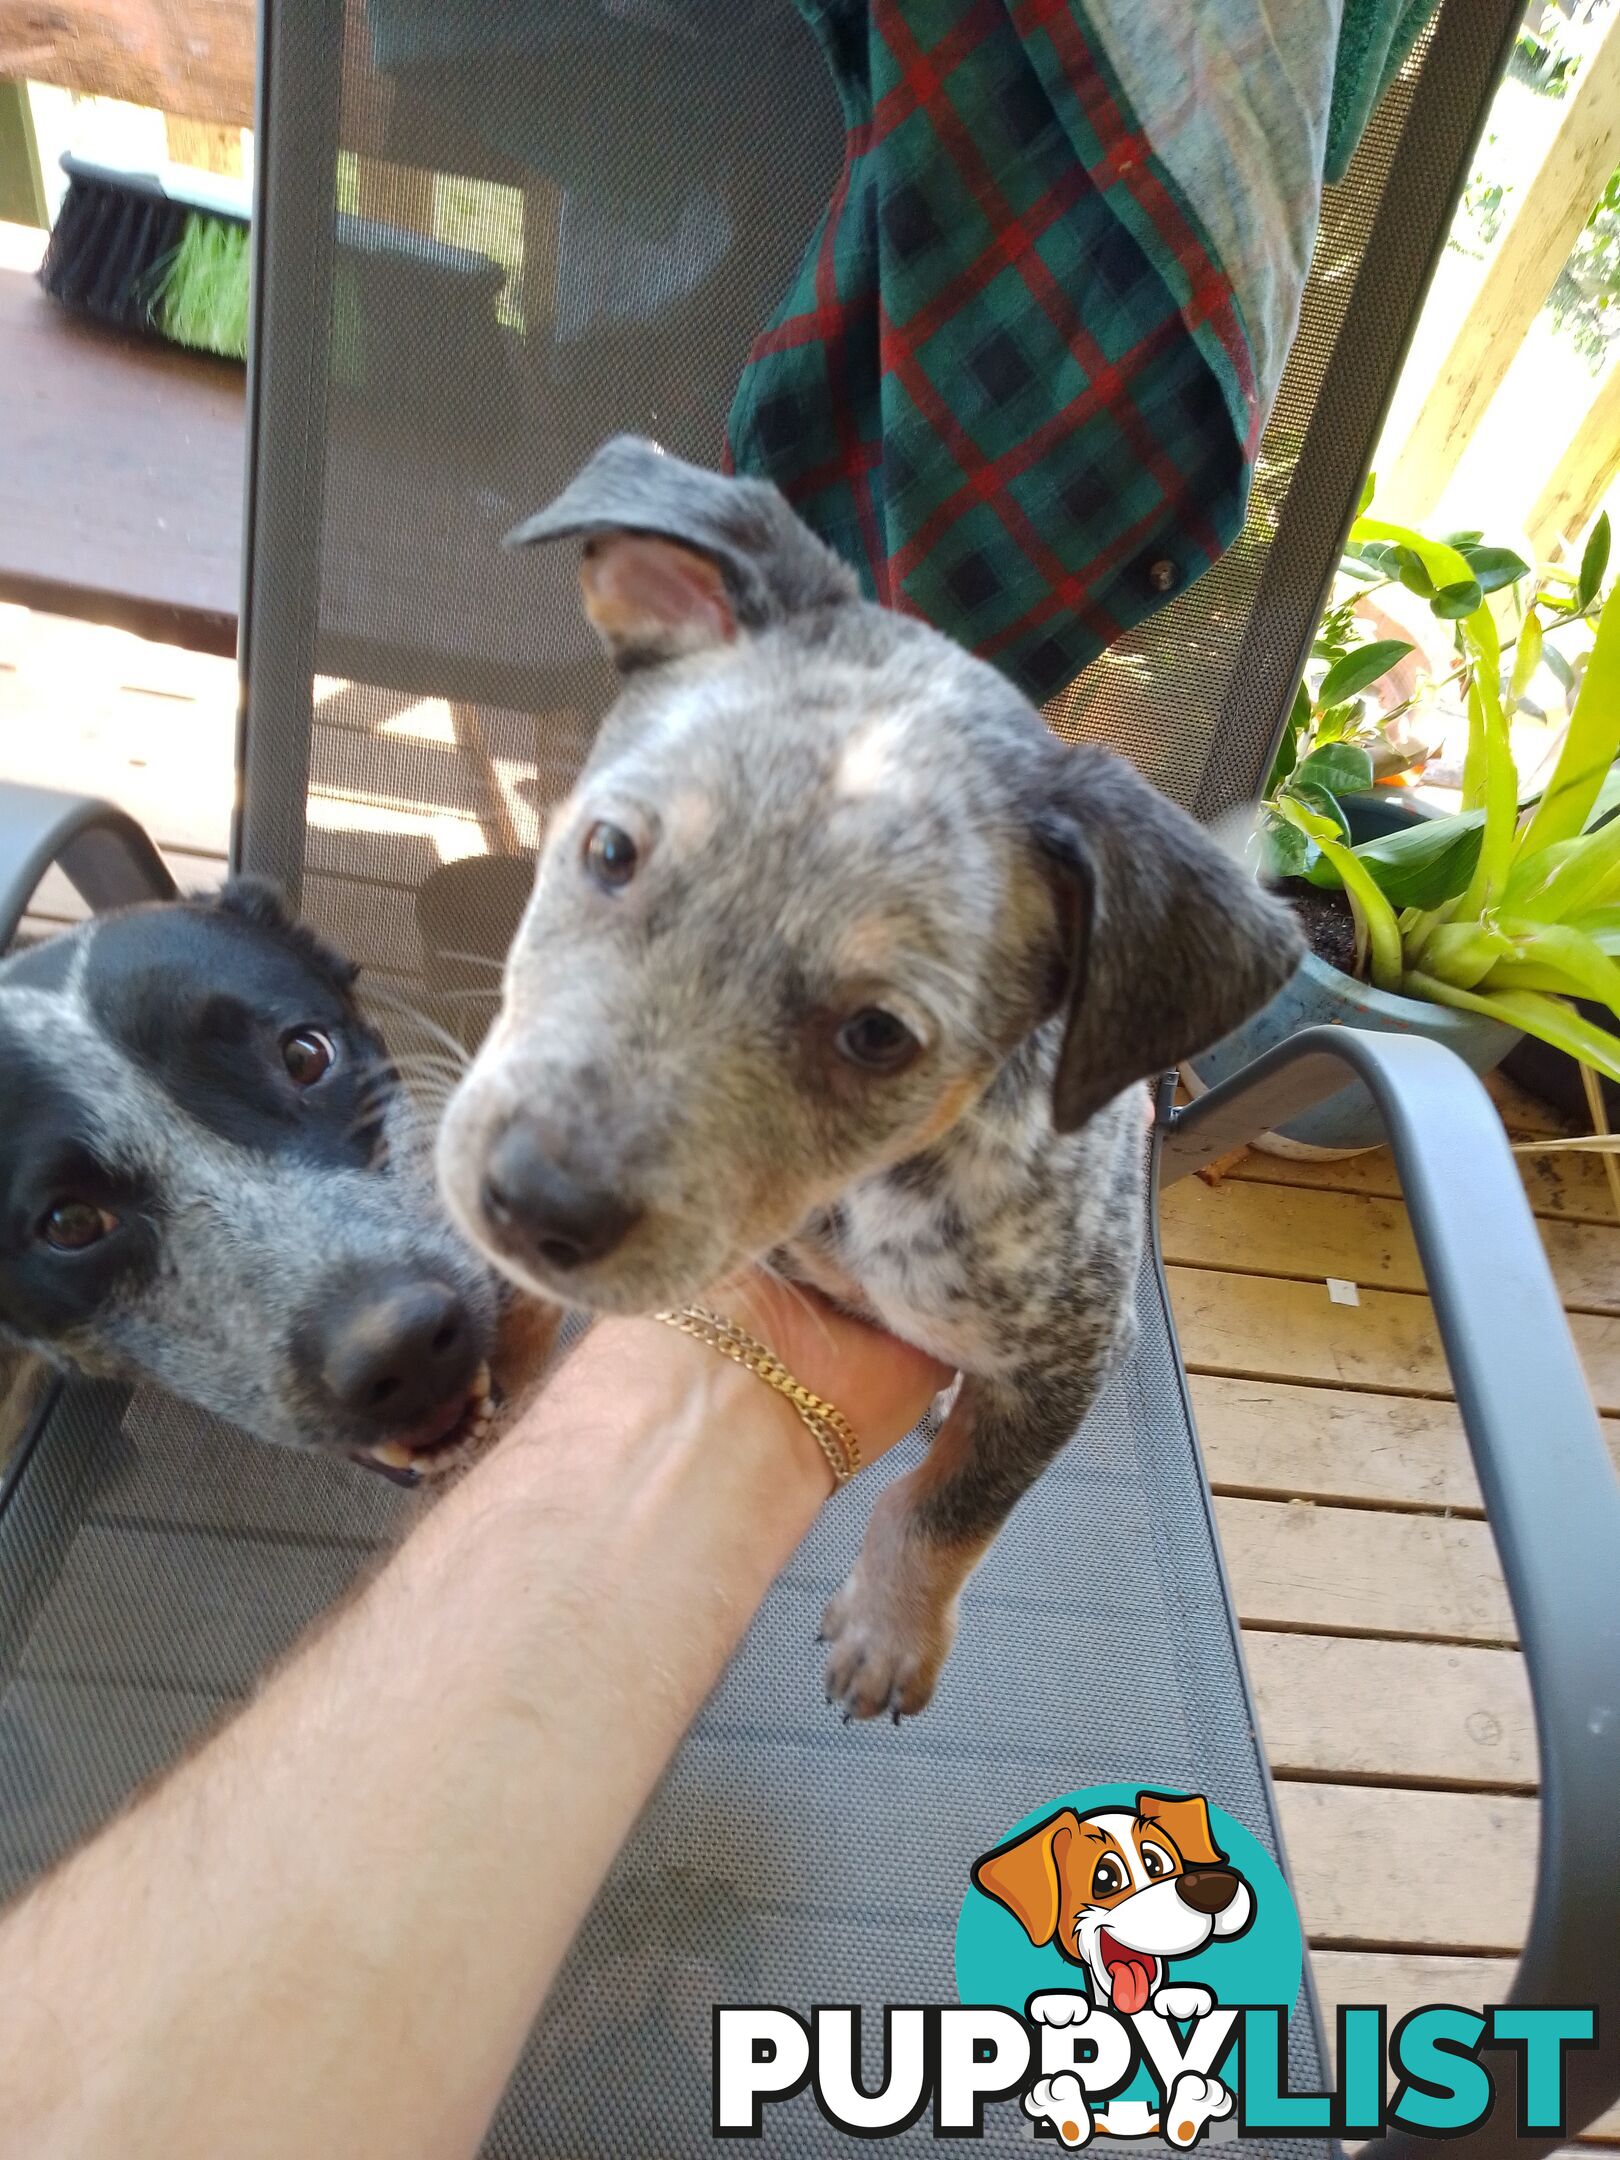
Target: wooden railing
point(1551, 212)
point(190, 57)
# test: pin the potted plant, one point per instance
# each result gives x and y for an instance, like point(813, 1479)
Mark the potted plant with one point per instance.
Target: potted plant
point(1473, 928)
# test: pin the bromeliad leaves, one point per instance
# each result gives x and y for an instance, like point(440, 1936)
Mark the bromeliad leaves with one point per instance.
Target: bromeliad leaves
point(1504, 909)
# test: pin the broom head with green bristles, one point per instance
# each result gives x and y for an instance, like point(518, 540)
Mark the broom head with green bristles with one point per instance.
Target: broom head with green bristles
point(165, 253)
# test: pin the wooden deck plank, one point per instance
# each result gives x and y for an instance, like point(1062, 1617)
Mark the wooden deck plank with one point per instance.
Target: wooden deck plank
point(1359, 1571)
point(1561, 1187)
point(1410, 1870)
point(197, 59)
point(93, 709)
point(1292, 1331)
point(1343, 1706)
point(1407, 1980)
point(1264, 1230)
point(1268, 1439)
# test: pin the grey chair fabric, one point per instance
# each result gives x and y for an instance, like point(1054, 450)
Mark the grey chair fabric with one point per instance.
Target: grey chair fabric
point(405, 680)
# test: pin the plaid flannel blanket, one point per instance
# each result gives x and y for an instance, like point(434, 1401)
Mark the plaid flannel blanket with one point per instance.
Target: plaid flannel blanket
point(1021, 376)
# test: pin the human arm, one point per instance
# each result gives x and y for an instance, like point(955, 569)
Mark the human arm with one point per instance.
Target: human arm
point(331, 1929)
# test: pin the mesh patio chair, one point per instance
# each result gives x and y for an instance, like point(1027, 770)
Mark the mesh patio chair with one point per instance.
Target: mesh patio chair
point(151, 1566)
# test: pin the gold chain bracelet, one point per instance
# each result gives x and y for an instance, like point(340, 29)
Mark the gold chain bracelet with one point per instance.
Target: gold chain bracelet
point(827, 1425)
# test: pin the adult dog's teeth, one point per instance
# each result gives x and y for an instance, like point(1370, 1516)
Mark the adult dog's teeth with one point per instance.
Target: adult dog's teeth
point(392, 1455)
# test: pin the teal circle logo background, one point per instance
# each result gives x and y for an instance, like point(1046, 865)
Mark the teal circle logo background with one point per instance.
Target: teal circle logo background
point(997, 1963)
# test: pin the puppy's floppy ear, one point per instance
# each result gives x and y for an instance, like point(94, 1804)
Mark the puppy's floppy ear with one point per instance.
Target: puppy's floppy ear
point(257, 901)
point(1184, 1819)
point(1027, 1875)
point(679, 559)
point(1166, 943)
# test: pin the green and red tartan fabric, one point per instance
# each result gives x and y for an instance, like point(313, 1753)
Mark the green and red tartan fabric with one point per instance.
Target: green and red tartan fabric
point(1012, 382)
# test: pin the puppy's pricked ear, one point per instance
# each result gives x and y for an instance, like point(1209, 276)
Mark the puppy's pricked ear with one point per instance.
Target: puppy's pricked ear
point(1027, 1875)
point(650, 599)
point(1167, 944)
point(1184, 1819)
point(681, 559)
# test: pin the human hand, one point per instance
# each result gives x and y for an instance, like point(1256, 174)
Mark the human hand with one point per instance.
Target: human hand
point(883, 1386)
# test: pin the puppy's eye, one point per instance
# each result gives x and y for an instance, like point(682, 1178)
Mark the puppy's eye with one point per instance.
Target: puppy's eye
point(1156, 1861)
point(308, 1056)
point(610, 855)
point(72, 1225)
point(1108, 1877)
point(877, 1040)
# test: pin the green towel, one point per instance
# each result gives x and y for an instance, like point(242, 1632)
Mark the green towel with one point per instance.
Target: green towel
point(1375, 36)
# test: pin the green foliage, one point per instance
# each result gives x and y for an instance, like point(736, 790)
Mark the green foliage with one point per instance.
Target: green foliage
point(1594, 561)
point(1538, 920)
point(1358, 669)
point(1505, 908)
point(1332, 745)
point(1422, 865)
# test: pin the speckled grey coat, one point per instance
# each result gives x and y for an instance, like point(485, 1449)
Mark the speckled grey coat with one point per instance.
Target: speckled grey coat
point(801, 813)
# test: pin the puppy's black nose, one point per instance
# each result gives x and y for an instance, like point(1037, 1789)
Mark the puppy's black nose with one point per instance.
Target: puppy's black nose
point(533, 1201)
point(1207, 1890)
point(395, 1349)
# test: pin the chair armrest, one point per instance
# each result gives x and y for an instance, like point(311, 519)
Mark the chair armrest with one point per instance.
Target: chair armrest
point(1551, 1497)
point(106, 856)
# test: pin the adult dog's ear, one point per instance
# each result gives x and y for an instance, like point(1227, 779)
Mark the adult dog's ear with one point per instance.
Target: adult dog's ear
point(258, 901)
point(1026, 1875)
point(679, 559)
point(1166, 943)
point(1184, 1819)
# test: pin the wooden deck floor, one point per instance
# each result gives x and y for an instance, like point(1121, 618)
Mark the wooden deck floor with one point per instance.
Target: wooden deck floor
point(1392, 1696)
point(1393, 1700)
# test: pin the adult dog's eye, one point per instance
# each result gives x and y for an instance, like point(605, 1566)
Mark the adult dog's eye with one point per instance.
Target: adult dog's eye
point(308, 1056)
point(1157, 1861)
point(72, 1225)
point(1108, 1876)
point(610, 855)
point(877, 1040)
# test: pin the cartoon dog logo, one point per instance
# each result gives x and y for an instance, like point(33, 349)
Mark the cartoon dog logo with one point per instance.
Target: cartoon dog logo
point(1120, 1892)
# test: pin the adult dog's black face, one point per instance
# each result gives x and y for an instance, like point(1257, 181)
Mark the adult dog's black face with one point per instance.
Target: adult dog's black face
point(210, 1178)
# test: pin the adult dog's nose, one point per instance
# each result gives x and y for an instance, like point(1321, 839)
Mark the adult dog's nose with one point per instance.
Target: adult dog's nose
point(1207, 1890)
point(394, 1349)
point(535, 1202)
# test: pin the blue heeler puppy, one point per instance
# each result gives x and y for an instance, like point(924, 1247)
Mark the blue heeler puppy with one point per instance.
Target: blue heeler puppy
point(837, 954)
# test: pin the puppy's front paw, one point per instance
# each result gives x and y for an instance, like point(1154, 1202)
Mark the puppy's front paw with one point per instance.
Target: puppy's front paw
point(1183, 2000)
point(885, 1648)
point(1194, 2102)
point(1060, 2006)
point(1061, 2101)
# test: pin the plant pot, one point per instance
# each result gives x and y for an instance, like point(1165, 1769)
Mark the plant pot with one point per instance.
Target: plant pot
point(1347, 1123)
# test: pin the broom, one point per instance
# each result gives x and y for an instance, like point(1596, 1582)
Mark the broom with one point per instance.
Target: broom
point(161, 252)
